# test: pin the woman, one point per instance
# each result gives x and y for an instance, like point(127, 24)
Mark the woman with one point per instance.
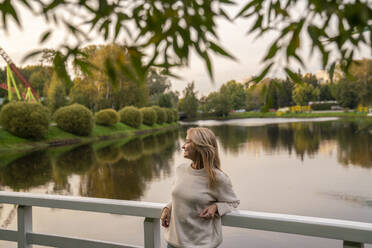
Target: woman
point(201, 194)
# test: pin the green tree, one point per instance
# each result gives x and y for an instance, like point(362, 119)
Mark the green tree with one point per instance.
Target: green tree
point(189, 102)
point(235, 92)
point(166, 100)
point(347, 93)
point(56, 94)
point(84, 92)
point(304, 93)
point(219, 103)
point(325, 93)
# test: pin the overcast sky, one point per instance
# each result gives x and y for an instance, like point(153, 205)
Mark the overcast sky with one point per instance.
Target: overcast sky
point(249, 52)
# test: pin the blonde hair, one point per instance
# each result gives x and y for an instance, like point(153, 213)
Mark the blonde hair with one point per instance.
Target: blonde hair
point(205, 144)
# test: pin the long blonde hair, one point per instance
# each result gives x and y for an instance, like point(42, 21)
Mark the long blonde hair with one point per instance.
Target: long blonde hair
point(205, 144)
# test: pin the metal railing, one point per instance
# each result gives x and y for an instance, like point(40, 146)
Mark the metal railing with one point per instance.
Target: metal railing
point(353, 234)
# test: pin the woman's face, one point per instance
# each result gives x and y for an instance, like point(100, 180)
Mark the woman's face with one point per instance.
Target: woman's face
point(188, 149)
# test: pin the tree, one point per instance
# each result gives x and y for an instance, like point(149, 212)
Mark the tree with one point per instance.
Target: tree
point(84, 92)
point(325, 93)
point(219, 103)
point(235, 92)
point(166, 100)
point(56, 94)
point(158, 39)
point(347, 94)
point(158, 84)
point(189, 102)
point(303, 94)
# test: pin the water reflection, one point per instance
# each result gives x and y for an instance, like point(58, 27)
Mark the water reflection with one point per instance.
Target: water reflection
point(29, 171)
point(122, 169)
point(353, 145)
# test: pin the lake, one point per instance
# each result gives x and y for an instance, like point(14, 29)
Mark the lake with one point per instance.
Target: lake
point(313, 167)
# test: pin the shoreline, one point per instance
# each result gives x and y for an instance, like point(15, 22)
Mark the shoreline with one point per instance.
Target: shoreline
point(57, 138)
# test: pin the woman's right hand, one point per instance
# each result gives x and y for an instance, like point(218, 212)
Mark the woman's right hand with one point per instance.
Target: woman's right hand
point(165, 217)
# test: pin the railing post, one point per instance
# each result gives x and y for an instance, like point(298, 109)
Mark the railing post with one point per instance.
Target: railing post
point(24, 217)
point(351, 244)
point(152, 233)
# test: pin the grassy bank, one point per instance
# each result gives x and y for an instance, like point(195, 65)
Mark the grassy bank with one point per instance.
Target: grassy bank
point(284, 115)
point(58, 137)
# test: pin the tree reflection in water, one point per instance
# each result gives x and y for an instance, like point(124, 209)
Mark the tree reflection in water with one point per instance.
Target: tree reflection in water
point(142, 161)
point(122, 171)
point(29, 171)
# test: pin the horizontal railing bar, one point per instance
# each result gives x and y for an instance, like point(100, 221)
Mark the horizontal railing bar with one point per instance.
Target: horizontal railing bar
point(68, 242)
point(303, 225)
point(133, 208)
point(8, 235)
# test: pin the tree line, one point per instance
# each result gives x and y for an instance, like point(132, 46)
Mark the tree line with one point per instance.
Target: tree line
point(274, 93)
point(94, 88)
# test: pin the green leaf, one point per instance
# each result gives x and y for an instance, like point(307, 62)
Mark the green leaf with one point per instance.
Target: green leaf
point(45, 36)
point(293, 75)
point(331, 71)
point(272, 51)
point(216, 48)
point(263, 74)
point(31, 55)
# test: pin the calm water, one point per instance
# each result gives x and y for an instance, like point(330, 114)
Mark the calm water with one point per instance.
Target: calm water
point(321, 168)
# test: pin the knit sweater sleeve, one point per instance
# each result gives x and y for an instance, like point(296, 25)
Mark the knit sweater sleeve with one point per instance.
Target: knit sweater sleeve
point(226, 197)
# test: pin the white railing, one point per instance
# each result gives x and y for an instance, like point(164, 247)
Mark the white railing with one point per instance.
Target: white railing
point(353, 234)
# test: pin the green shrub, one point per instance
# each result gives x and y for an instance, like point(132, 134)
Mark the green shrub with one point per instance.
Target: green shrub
point(161, 115)
point(107, 117)
point(75, 119)
point(322, 106)
point(149, 116)
point(26, 120)
point(131, 116)
point(169, 113)
point(175, 115)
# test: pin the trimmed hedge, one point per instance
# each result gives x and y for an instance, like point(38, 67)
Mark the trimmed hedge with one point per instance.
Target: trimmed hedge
point(322, 106)
point(107, 117)
point(161, 114)
point(131, 116)
point(149, 116)
point(170, 115)
point(75, 119)
point(26, 120)
point(175, 115)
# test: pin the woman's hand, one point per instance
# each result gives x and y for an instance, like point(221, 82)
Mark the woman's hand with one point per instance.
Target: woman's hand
point(209, 212)
point(165, 217)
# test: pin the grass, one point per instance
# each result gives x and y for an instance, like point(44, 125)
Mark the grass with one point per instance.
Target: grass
point(57, 137)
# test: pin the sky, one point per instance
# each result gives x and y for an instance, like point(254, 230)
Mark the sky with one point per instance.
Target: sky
point(248, 51)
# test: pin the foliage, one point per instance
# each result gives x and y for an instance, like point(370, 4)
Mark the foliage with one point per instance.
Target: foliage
point(234, 91)
point(175, 114)
point(322, 106)
point(304, 93)
point(219, 103)
point(26, 120)
point(111, 92)
point(56, 94)
point(299, 109)
point(149, 116)
point(347, 93)
point(131, 116)
point(325, 93)
point(107, 117)
point(166, 100)
point(38, 76)
point(161, 115)
point(84, 92)
point(169, 114)
point(189, 102)
point(75, 119)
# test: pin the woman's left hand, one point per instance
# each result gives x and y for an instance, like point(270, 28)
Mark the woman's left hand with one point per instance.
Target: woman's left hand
point(209, 212)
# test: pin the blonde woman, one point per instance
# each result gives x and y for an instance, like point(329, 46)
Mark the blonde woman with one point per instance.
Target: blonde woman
point(201, 194)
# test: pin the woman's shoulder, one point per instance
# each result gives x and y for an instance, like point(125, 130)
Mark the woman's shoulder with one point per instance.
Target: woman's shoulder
point(222, 177)
point(182, 167)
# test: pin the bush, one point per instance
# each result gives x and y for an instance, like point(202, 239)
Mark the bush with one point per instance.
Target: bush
point(26, 120)
point(149, 116)
point(169, 113)
point(107, 117)
point(322, 106)
point(75, 119)
point(175, 115)
point(131, 116)
point(161, 114)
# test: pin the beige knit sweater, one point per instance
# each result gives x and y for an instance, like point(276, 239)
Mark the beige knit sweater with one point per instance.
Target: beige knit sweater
point(190, 195)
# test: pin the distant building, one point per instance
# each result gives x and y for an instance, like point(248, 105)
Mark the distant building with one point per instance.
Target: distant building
point(322, 76)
